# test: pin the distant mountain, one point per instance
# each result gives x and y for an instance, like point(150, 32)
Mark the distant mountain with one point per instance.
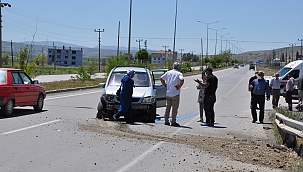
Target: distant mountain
point(38, 47)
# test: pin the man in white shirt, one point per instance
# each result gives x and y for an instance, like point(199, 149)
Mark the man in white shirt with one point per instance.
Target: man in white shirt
point(275, 84)
point(173, 81)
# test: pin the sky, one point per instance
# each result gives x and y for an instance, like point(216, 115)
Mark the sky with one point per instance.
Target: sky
point(250, 25)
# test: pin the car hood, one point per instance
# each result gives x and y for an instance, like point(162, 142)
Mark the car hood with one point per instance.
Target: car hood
point(137, 92)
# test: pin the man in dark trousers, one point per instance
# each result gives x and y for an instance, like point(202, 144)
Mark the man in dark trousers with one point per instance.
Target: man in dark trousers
point(250, 80)
point(210, 86)
point(259, 88)
point(300, 93)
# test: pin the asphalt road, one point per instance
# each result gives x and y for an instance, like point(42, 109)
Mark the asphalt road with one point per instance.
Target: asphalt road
point(66, 136)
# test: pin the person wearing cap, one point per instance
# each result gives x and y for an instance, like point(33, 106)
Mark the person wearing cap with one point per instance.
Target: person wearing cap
point(172, 80)
point(210, 86)
point(275, 84)
point(126, 94)
point(260, 89)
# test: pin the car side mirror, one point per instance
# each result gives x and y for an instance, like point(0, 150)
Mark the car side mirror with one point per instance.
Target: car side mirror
point(101, 85)
point(35, 82)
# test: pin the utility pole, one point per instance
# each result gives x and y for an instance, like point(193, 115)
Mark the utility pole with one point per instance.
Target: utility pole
point(145, 44)
point(2, 5)
point(129, 29)
point(202, 53)
point(292, 51)
point(139, 40)
point(301, 46)
point(181, 54)
point(12, 53)
point(99, 40)
point(165, 46)
point(118, 39)
point(54, 49)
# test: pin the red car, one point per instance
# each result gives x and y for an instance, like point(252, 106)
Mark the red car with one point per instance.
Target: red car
point(18, 89)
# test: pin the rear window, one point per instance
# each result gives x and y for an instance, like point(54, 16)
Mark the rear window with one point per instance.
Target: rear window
point(2, 76)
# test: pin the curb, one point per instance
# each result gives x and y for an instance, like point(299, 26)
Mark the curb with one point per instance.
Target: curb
point(70, 89)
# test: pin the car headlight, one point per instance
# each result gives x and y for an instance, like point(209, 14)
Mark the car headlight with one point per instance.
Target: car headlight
point(108, 97)
point(148, 100)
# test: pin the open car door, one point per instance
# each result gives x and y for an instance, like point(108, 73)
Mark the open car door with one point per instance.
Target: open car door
point(160, 89)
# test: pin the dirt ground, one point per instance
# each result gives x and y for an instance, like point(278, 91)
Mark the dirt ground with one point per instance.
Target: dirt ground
point(255, 152)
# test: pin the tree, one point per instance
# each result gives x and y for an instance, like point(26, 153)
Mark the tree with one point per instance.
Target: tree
point(114, 61)
point(297, 56)
point(5, 57)
point(142, 55)
point(24, 63)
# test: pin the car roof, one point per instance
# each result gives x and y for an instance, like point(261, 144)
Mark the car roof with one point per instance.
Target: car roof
point(136, 69)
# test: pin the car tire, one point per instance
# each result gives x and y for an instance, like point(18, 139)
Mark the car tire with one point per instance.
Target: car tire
point(40, 102)
point(8, 108)
point(152, 114)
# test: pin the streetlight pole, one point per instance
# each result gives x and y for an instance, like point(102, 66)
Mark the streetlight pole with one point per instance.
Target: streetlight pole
point(216, 38)
point(221, 39)
point(175, 30)
point(207, 34)
point(2, 5)
point(99, 40)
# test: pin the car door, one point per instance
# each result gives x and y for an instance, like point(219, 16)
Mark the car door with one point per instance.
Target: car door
point(160, 89)
point(31, 92)
point(19, 89)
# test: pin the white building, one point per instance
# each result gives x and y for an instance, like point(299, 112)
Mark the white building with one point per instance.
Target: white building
point(65, 57)
point(159, 56)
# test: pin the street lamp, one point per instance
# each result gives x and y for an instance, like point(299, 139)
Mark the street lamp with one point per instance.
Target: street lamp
point(207, 34)
point(221, 39)
point(129, 29)
point(2, 5)
point(226, 42)
point(216, 37)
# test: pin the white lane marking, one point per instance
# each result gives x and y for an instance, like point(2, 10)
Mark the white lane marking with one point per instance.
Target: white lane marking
point(72, 95)
point(185, 88)
point(148, 151)
point(26, 128)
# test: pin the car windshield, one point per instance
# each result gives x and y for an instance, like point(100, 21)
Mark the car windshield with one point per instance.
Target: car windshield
point(2, 76)
point(283, 71)
point(141, 79)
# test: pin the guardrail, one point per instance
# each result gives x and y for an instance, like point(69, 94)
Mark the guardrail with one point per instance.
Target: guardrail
point(289, 125)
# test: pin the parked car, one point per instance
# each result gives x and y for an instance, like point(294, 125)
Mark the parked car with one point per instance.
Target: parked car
point(18, 89)
point(148, 93)
point(236, 66)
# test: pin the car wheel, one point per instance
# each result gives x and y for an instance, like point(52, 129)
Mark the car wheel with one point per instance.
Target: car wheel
point(8, 108)
point(152, 114)
point(40, 102)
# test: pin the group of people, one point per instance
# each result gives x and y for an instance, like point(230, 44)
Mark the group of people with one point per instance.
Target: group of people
point(260, 89)
point(173, 80)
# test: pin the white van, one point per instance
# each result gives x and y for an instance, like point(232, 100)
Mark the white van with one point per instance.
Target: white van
point(295, 67)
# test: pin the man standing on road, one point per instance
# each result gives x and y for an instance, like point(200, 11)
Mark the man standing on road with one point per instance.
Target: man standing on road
point(259, 88)
point(275, 90)
point(210, 86)
point(300, 92)
point(289, 87)
point(172, 81)
point(250, 80)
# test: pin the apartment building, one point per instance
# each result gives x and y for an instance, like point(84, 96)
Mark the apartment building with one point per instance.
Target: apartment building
point(65, 57)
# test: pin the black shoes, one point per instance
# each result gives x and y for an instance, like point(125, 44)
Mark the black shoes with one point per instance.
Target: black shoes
point(253, 121)
point(175, 124)
point(166, 123)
